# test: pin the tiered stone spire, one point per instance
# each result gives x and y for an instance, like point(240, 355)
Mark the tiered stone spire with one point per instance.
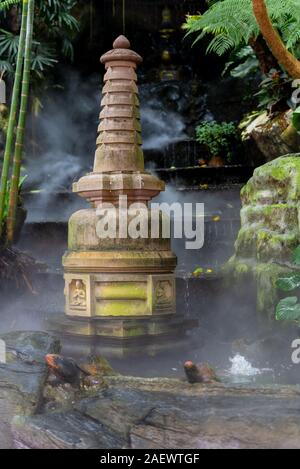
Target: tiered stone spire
point(119, 142)
point(119, 158)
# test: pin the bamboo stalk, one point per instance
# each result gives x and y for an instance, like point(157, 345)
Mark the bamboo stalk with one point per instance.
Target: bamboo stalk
point(19, 147)
point(12, 116)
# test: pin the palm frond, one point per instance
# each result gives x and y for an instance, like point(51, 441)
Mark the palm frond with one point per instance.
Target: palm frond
point(43, 56)
point(6, 67)
point(9, 44)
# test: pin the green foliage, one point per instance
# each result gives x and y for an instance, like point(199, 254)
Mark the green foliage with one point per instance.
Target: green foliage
point(218, 137)
point(296, 124)
point(274, 89)
point(289, 283)
point(232, 24)
point(54, 27)
point(198, 272)
point(243, 62)
point(288, 309)
point(296, 256)
point(9, 43)
point(5, 4)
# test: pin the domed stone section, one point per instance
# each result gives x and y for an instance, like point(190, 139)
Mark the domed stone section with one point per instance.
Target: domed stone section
point(119, 286)
point(121, 43)
point(270, 228)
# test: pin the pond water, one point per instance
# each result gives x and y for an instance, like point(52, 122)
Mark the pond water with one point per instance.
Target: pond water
point(230, 336)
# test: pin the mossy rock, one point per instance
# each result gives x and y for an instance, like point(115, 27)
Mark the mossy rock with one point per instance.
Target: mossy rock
point(275, 182)
point(269, 227)
point(263, 276)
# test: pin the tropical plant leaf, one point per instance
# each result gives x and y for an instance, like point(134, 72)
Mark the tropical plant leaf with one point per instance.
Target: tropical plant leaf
point(67, 48)
point(55, 27)
point(43, 56)
point(296, 124)
point(9, 44)
point(296, 256)
point(289, 283)
point(288, 309)
point(6, 66)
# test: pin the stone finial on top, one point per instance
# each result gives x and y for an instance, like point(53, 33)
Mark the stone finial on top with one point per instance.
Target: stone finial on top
point(121, 52)
point(121, 43)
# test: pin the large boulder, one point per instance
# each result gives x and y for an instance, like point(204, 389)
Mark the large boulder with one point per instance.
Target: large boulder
point(269, 227)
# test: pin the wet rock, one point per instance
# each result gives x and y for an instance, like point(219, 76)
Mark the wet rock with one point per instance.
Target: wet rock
point(66, 430)
point(22, 378)
point(167, 413)
point(118, 409)
point(215, 416)
point(60, 397)
point(273, 136)
point(269, 227)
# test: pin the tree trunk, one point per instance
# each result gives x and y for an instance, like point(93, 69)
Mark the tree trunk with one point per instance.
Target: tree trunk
point(274, 41)
point(14, 19)
point(14, 188)
point(12, 117)
point(265, 57)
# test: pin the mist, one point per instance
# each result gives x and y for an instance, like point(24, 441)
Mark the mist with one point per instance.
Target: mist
point(227, 322)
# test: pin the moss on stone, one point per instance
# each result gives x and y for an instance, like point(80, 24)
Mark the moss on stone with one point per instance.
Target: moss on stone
point(267, 293)
point(270, 227)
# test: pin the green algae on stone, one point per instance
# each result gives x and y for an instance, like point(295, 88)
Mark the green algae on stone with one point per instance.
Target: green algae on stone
point(269, 227)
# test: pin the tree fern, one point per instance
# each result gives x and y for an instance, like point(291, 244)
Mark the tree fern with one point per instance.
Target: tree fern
point(233, 24)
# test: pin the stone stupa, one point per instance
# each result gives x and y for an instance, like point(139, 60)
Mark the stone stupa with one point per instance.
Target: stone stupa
point(118, 288)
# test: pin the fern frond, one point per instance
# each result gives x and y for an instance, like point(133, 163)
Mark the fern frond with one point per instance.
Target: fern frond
point(4, 5)
point(233, 24)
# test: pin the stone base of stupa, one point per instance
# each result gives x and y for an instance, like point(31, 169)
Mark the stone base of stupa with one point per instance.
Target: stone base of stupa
point(121, 296)
point(119, 336)
point(120, 284)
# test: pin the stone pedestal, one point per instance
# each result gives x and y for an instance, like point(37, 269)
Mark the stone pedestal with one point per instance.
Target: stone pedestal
point(118, 288)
